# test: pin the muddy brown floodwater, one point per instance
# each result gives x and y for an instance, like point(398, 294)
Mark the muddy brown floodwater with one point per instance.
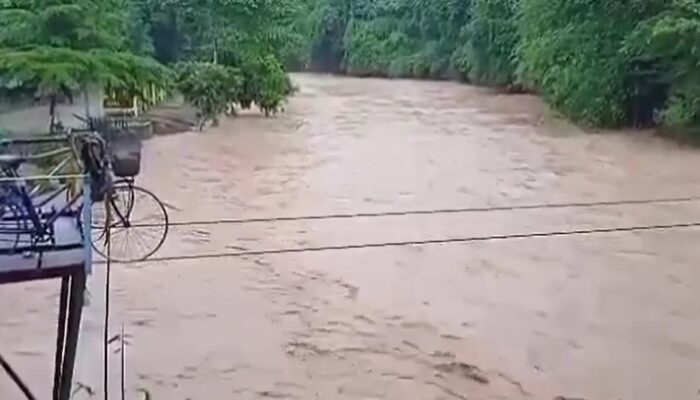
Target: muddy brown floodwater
point(612, 316)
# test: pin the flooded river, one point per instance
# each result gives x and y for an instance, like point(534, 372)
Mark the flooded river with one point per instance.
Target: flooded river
point(607, 316)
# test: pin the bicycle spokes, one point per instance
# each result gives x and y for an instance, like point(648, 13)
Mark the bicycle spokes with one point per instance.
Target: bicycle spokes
point(138, 227)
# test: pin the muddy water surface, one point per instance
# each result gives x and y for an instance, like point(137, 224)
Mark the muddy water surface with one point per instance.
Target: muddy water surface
point(613, 316)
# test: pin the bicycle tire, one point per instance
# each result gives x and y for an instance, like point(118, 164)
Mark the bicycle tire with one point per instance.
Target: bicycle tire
point(122, 223)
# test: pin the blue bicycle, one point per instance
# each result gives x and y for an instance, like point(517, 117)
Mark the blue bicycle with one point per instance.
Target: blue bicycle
point(137, 218)
point(28, 216)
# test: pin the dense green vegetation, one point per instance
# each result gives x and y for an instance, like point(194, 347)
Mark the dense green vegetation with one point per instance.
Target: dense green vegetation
point(219, 52)
point(216, 88)
point(600, 62)
point(54, 48)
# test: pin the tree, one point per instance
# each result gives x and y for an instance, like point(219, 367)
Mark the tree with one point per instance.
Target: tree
point(412, 38)
point(674, 41)
point(209, 87)
point(234, 52)
point(586, 67)
point(265, 84)
point(600, 62)
point(58, 47)
point(248, 26)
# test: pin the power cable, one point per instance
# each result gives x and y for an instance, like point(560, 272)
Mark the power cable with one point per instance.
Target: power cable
point(430, 212)
point(471, 239)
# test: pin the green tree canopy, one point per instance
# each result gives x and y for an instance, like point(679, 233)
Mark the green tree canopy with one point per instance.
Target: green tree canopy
point(600, 62)
point(60, 46)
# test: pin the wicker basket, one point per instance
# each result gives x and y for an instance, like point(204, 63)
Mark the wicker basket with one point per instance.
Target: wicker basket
point(125, 150)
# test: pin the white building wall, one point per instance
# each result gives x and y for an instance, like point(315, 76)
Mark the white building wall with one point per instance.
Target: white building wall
point(29, 118)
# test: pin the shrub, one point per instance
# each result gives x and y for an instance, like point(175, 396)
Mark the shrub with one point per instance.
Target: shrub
point(366, 49)
point(461, 61)
point(215, 88)
point(599, 62)
point(265, 83)
point(577, 54)
point(674, 37)
point(211, 88)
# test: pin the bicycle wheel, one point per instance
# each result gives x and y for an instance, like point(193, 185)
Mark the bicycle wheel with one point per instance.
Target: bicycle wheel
point(138, 228)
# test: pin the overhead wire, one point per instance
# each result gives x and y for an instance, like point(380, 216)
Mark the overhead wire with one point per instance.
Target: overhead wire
point(464, 210)
point(470, 239)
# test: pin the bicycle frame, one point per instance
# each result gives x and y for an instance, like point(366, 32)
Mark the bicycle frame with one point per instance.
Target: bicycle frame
point(125, 219)
point(37, 217)
point(42, 223)
point(41, 207)
point(38, 228)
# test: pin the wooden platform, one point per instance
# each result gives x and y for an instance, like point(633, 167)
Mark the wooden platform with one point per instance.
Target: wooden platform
point(48, 263)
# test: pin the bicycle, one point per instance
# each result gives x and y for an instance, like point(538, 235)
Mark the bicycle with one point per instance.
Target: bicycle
point(24, 219)
point(135, 235)
point(139, 223)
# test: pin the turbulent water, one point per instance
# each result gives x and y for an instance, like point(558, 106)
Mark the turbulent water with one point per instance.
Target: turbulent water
point(605, 316)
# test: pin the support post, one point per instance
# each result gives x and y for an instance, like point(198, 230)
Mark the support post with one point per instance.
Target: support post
point(75, 310)
point(87, 224)
point(61, 336)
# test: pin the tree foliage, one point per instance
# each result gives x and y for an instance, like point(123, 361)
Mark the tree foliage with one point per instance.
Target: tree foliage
point(54, 48)
point(600, 62)
point(492, 40)
point(674, 40)
point(224, 51)
point(201, 30)
point(265, 83)
point(209, 87)
point(579, 64)
point(63, 70)
point(394, 38)
point(228, 52)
